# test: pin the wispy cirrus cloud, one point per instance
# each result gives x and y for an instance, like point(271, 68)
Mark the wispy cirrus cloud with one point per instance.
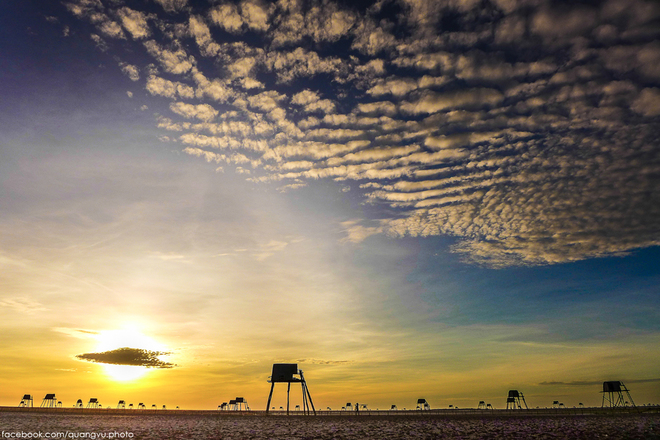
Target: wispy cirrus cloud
point(531, 146)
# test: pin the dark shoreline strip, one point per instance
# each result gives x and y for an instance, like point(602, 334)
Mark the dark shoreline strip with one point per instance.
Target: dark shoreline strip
point(439, 413)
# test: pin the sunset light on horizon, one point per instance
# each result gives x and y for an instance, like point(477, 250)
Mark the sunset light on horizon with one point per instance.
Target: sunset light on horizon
point(439, 199)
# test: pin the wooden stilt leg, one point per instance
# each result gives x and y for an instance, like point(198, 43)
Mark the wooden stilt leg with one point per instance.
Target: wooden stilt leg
point(288, 388)
point(307, 389)
point(272, 385)
point(305, 404)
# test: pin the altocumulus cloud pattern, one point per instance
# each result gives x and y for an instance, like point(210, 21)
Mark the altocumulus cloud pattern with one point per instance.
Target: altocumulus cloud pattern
point(527, 129)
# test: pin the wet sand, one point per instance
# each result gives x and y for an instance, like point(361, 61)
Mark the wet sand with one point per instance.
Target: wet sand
point(440, 424)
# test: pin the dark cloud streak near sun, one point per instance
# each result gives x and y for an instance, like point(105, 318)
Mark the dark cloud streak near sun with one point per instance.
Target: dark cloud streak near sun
point(526, 129)
point(128, 356)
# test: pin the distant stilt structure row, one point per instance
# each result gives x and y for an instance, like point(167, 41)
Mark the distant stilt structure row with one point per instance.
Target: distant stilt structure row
point(613, 395)
point(516, 400)
point(285, 373)
point(237, 404)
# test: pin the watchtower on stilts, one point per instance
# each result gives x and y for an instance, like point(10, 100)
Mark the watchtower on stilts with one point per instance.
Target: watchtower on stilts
point(26, 401)
point(423, 404)
point(515, 400)
point(613, 395)
point(93, 403)
point(49, 401)
point(240, 403)
point(285, 373)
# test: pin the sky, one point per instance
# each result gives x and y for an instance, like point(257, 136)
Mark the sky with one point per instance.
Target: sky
point(436, 199)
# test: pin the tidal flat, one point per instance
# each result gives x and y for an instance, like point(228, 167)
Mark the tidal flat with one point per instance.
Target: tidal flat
point(111, 426)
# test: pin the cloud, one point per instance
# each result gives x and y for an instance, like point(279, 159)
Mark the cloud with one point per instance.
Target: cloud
point(100, 42)
point(170, 89)
point(172, 5)
point(648, 102)
point(357, 233)
point(227, 16)
point(525, 130)
point(432, 102)
point(580, 383)
point(130, 70)
point(111, 29)
point(128, 356)
point(200, 111)
point(22, 305)
point(322, 362)
point(135, 22)
point(176, 62)
point(255, 14)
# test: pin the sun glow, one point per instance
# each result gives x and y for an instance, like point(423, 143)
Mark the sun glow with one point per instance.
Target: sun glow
point(131, 338)
point(124, 373)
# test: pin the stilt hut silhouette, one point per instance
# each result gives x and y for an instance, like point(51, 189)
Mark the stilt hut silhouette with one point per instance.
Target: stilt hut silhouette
point(482, 405)
point(79, 403)
point(93, 403)
point(613, 395)
point(515, 400)
point(130, 406)
point(153, 406)
point(555, 404)
point(59, 404)
point(141, 406)
point(349, 406)
point(239, 402)
point(423, 404)
point(285, 373)
point(26, 401)
point(49, 401)
point(393, 408)
point(121, 405)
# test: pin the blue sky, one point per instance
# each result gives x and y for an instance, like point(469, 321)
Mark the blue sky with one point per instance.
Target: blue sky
point(463, 190)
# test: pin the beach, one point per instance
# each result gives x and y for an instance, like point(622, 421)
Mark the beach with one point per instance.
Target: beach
point(255, 425)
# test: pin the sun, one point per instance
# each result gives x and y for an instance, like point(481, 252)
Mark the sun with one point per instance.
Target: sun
point(128, 337)
point(124, 373)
